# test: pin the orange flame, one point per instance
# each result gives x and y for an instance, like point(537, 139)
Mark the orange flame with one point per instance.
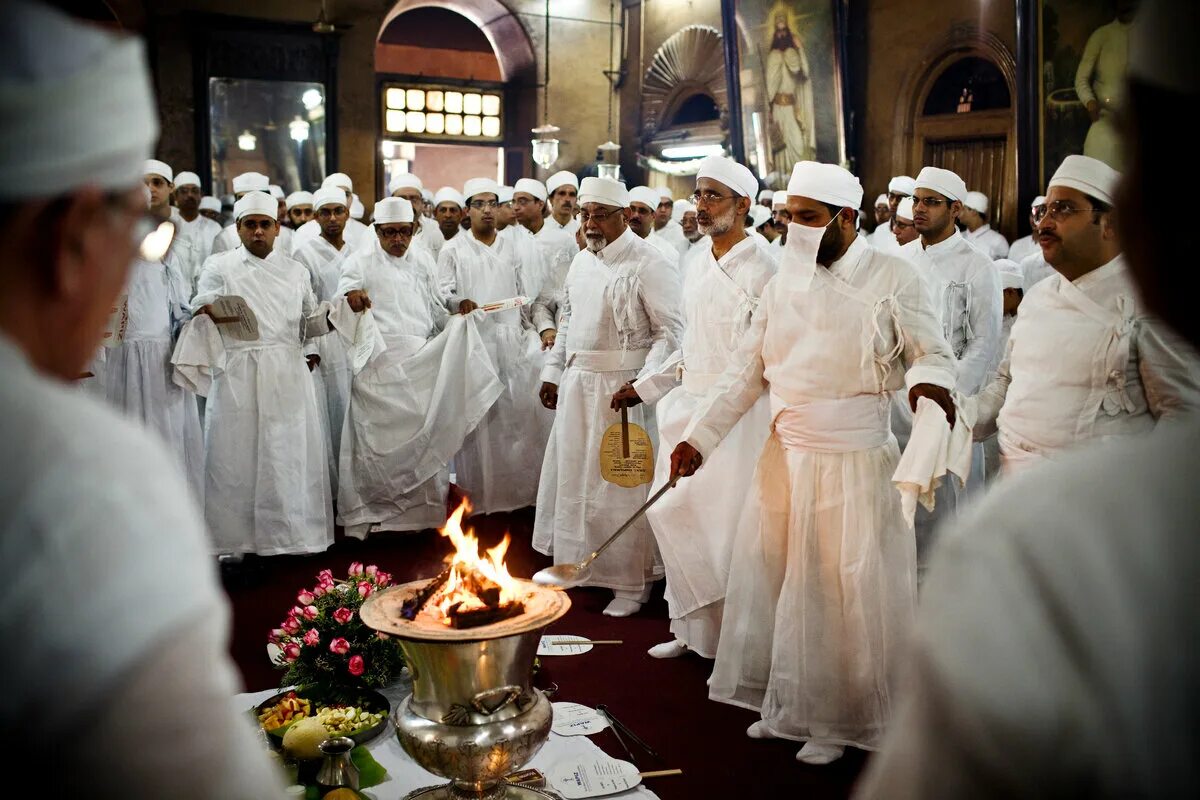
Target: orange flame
point(466, 559)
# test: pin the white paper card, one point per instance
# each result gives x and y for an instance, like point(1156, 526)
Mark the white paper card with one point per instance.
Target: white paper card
point(235, 319)
point(594, 777)
point(365, 335)
point(573, 719)
point(504, 305)
point(564, 644)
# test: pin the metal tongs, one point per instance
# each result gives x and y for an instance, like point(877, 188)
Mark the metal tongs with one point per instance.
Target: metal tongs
point(619, 727)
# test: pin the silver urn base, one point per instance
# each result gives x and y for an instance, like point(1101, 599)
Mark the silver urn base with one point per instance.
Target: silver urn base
point(503, 792)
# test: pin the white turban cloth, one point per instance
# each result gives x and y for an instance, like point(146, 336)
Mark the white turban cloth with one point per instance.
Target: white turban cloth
point(560, 179)
point(1040, 200)
point(902, 184)
point(679, 208)
point(977, 201)
point(882, 200)
point(737, 177)
point(160, 168)
point(210, 203)
point(328, 196)
point(604, 191)
point(393, 209)
point(340, 180)
point(76, 106)
point(251, 182)
point(356, 208)
point(504, 194)
point(827, 183)
point(532, 187)
point(299, 199)
point(476, 186)
point(1011, 276)
point(255, 203)
point(448, 194)
point(644, 195)
point(765, 194)
point(276, 191)
point(1088, 175)
point(405, 180)
point(904, 209)
point(758, 215)
point(779, 199)
point(942, 181)
point(187, 179)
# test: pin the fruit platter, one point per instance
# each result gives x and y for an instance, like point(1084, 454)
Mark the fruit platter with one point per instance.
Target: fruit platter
point(360, 714)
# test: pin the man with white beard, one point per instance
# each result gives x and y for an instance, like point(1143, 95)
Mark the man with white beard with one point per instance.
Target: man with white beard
point(695, 523)
point(1026, 246)
point(643, 210)
point(199, 230)
point(498, 464)
point(621, 322)
point(977, 230)
point(822, 587)
point(1084, 361)
point(382, 483)
point(266, 477)
point(243, 184)
point(355, 233)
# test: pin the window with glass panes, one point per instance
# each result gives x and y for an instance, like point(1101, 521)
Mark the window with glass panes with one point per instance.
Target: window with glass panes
point(442, 113)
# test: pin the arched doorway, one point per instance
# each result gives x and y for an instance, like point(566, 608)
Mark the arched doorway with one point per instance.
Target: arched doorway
point(958, 113)
point(455, 88)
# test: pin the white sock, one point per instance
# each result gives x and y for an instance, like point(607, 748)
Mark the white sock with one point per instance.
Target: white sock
point(819, 753)
point(759, 730)
point(622, 607)
point(672, 649)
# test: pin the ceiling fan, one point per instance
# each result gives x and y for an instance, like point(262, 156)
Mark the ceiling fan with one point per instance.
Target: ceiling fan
point(323, 25)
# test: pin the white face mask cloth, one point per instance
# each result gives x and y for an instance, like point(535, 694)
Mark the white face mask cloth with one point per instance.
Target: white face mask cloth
point(799, 261)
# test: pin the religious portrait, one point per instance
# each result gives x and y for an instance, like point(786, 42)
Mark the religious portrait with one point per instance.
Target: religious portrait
point(1082, 59)
point(790, 84)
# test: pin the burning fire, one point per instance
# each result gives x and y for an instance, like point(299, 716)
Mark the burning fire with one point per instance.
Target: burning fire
point(470, 576)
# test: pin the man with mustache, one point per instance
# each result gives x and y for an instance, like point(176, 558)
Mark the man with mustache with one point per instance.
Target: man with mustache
point(1084, 360)
point(883, 223)
point(780, 218)
point(1027, 245)
point(643, 215)
point(621, 323)
point(903, 229)
point(197, 229)
point(299, 209)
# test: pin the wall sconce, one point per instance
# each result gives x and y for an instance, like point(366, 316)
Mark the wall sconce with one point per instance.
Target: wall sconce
point(606, 161)
point(545, 146)
point(298, 129)
point(247, 141)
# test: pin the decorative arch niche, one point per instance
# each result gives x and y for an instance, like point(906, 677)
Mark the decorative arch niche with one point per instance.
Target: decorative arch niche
point(683, 93)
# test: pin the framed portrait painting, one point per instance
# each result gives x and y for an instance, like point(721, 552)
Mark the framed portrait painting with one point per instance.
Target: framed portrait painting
point(790, 56)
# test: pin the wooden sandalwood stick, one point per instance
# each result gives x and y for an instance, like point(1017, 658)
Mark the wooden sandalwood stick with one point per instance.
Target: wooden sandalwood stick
point(661, 773)
point(585, 641)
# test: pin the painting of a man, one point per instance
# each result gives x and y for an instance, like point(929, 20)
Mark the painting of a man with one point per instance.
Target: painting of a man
point(790, 93)
point(1099, 82)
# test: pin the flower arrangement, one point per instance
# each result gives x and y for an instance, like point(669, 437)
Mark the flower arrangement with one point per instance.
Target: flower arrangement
point(323, 641)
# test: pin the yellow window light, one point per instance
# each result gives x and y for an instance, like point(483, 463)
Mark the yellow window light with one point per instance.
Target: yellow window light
point(415, 120)
point(415, 99)
point(491, 105)
point(472, 126)
point(454, 125)
point(394, 121)
point(435, 100)
point(491, 127)
point(472, 103)
point(394, 98)
point(435, 123)
point(454, 102)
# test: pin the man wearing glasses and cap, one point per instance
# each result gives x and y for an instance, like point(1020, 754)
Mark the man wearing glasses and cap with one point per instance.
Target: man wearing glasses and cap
point(243, 184)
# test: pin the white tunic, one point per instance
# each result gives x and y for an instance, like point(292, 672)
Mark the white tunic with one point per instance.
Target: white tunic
point(673, 233)
point(108, 573)
point(551, 228)
point(695, 523)
point(1085, 362)
point(1059, 612)
point(1035, 270)
point(822, 587)
point(882, 238)
point(200, 234)
point(355, 233)
point(548, 308)
point(498, 463)
point(989, 241)
point(665, 246)
point(137, 372)
point(429, 237)
point(266, 478)
point(1023, 248)
point(621, 323)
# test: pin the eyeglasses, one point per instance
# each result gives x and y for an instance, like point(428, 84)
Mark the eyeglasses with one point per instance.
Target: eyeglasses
point(901, 225)
point(524, 201)
point(328, 212)
point(599, 219)
point(708, 197)
point(928, 202)
point(1059, 210)
point(394, 233)
point(483, 205)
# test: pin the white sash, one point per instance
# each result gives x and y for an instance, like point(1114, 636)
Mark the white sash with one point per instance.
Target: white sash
point(846, 425)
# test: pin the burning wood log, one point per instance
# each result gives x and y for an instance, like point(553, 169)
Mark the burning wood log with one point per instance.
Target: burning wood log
point(475, 617)
point(413, 605)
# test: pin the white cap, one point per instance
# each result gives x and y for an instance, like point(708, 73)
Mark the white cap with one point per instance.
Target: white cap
point(737, 177)
point(1040, 200)
point(210, 203)
point(255, 203)
point(340, 180)
point(187, 179)
point(299, 199)
point(405, 180)
point(902, 184)
point(563, 178)
point(1011, 276)
point(904, 209)
point(1088, 175)
point(448, 194)
point(328, 196)
point(679, 208)
point(604, 191)
point(882, 200)
point(779, 198)
point(942, 181)
point(759, 215)
point(356, 207)
point(479, 186)
point(644, 195)
point(532, 187)
point(504, 194)
point(76, 106)
point(276, 191)
point(765, 194)
point(159, 168)
point(393, 209)
point(664, 193)
point(827, 183)
point(977, 201)
point(426, 195)
point(250, 182)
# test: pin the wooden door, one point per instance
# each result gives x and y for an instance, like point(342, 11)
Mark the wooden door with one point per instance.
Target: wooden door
point(982, 163)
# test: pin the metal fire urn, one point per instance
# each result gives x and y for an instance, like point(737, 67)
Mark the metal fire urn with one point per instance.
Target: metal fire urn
point(473, 716)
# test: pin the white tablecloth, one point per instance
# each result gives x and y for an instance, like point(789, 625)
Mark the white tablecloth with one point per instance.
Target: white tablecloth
point(404, 775)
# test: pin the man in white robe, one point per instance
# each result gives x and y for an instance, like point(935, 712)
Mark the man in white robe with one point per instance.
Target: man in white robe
point(965, 289)
point(695, 524)
point(200, 231)
point(243, 184)
point(448, 210)
point(622, 321)
point(184, 254)
point(266, 476)
point(384, 484)
point(1085, 360)
point(498, 464)
point(900, 187)
point(427, 235)
point(1012, 283)
point(529, 206)
point(977, 231)
point(1058, 639)
point(549, 307)
point(564, 202)
point(878, 238)
point(1027, 245)
point(756, 221)
point(665, 224)
point(643, 209)
point(283, 242)
point(210, 208)
point(1100, 83)
point(904, 230)
point(299, 209)
point(116, 624)
point(822, 588)
point(355, 233)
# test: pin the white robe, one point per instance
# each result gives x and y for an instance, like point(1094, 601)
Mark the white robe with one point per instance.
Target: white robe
point(882, 238)
point(1085, 362)
point(137, 372)
point(1101, 77)
point(429, 237)
point(396, 449)
point(695, 524)
point(673, 233)
point(551, 228)
point(355, 233)
point(1035, 270)
point(1023, 248)
point(663, 245)
point(266, 478)
point(822, 588)
point(498, 463)
point(989, 241)
point(548, 308)
point(1058, 641)
point(200, 234)
point(285, 241)
point(622, 321)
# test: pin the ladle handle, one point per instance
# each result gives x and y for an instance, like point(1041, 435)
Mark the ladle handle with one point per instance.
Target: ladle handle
point(629, 522)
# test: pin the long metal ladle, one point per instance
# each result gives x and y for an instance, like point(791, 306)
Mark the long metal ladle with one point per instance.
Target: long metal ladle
point(568, 575)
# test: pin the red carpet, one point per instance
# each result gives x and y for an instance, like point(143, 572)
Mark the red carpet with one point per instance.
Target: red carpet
point(665, 702)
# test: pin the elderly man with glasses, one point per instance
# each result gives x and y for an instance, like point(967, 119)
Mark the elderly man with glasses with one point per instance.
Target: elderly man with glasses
point(621, 323)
